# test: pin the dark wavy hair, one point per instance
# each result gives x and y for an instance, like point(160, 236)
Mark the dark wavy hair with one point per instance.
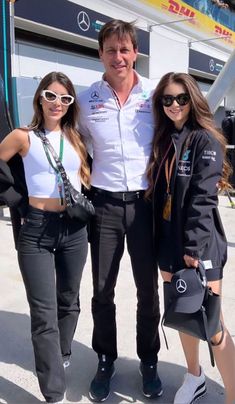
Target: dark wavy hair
point(68, 122)
point(200, 117)
point(119, 28)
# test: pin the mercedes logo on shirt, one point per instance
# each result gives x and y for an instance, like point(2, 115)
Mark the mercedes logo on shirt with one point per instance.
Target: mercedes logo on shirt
point(83, 21)
point(181, 286)
point(94, 94)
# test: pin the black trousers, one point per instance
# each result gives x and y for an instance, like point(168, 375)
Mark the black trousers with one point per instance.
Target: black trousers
point(114, 221)
point(52, 251)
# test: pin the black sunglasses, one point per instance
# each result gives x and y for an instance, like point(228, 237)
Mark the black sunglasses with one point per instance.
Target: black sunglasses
point(181, 99)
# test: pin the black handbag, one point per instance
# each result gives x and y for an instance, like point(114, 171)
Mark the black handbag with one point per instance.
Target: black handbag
point(191, 306)
point(78, 206)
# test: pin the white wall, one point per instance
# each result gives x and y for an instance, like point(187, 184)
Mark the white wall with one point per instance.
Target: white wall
point(33, 60)
point(169, 52)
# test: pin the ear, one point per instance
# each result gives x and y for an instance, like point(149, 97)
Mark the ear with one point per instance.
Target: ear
point(136, 53)
point(100, 54)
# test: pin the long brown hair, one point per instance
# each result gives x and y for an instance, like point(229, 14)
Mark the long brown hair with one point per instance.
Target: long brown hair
point(68, 122)
point(199, 117)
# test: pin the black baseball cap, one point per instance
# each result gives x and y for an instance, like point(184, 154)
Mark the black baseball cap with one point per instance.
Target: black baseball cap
point(188, 290)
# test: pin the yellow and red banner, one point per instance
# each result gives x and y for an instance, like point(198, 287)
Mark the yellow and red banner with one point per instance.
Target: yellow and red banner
point(200, 22)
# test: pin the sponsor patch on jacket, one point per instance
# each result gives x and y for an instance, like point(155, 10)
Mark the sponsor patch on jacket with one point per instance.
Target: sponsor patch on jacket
point(209, 155)
point(208, 264)
point(184, 166)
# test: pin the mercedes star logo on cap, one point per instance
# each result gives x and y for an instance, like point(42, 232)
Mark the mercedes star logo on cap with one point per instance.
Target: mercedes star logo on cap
point(181, 286)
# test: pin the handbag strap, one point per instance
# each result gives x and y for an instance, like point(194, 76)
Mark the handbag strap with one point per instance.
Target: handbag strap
point(205, 323)
point(202, 271)
point(205, 326)
point(59, 165)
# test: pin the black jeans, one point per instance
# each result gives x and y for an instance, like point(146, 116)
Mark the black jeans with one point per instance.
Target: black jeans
point(114, 221)
point(52, 251)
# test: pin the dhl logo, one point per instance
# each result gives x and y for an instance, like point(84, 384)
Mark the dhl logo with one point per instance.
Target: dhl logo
point(198, 20)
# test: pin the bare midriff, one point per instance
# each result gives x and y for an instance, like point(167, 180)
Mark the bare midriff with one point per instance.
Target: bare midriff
point(49, 204)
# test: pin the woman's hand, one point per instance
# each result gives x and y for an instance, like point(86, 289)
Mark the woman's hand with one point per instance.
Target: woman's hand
point(190, 261)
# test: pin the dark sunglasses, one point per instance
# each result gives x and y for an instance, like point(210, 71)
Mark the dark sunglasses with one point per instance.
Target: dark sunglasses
point(181, 99)
point(50, 96)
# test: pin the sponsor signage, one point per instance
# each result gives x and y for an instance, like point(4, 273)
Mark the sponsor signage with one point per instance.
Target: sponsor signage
point(202, 22)
point(204, 63)
point(70, 17)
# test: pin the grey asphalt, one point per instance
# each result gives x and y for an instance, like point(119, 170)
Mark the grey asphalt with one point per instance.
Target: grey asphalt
point(18, 382)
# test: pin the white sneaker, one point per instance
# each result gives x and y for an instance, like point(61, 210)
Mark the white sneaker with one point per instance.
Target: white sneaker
point(192, 389)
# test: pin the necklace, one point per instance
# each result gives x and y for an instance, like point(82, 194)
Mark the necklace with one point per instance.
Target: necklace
point(168, 201)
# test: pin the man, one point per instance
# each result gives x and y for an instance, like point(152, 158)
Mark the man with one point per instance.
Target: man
point(116, 117)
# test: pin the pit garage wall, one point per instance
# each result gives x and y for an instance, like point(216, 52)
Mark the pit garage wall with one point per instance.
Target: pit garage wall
point(168, 42)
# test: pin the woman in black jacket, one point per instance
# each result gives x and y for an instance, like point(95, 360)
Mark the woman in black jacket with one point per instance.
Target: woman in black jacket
point(186, 170)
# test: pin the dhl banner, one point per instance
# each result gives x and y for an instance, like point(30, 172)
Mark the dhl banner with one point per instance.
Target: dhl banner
point(200, 21)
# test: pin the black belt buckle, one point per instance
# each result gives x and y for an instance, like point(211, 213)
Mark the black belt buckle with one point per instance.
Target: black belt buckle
point(124, 196)
point(130, 196)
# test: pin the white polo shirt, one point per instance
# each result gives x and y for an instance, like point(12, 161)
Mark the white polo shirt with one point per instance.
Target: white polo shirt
point(120, 137)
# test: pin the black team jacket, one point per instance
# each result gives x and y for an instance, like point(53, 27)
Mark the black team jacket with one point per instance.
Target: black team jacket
point(195, 227)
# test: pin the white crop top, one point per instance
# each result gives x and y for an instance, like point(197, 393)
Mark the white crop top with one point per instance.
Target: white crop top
point(40, 177)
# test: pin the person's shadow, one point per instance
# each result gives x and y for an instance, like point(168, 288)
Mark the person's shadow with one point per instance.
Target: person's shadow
point(16, 348)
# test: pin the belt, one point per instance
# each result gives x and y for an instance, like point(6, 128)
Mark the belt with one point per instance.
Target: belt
point(129, 196)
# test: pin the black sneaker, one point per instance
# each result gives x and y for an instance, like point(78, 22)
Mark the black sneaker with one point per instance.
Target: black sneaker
point(99, 388)
point(152, 386)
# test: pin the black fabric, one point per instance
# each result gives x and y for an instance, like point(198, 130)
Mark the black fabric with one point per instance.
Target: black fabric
point(129, 196)
point(199, 318)
point(81, 207)
point(114, 223)
point(188, 290)
point(195, 228)
point(16, 196)
point(13, 191)
point(12, 185)
point(52, 252)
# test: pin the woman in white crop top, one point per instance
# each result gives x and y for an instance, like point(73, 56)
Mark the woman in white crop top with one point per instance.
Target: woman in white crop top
point(49, 242)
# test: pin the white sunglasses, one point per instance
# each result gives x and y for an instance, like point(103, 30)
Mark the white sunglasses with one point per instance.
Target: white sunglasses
point(50, 96)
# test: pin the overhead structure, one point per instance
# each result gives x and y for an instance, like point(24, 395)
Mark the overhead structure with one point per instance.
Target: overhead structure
point(223, 87)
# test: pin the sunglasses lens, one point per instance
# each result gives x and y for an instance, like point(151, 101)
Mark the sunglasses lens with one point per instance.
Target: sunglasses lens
point(49, 96)
point(66, 99)
point(182, 99)
point(167, 100)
